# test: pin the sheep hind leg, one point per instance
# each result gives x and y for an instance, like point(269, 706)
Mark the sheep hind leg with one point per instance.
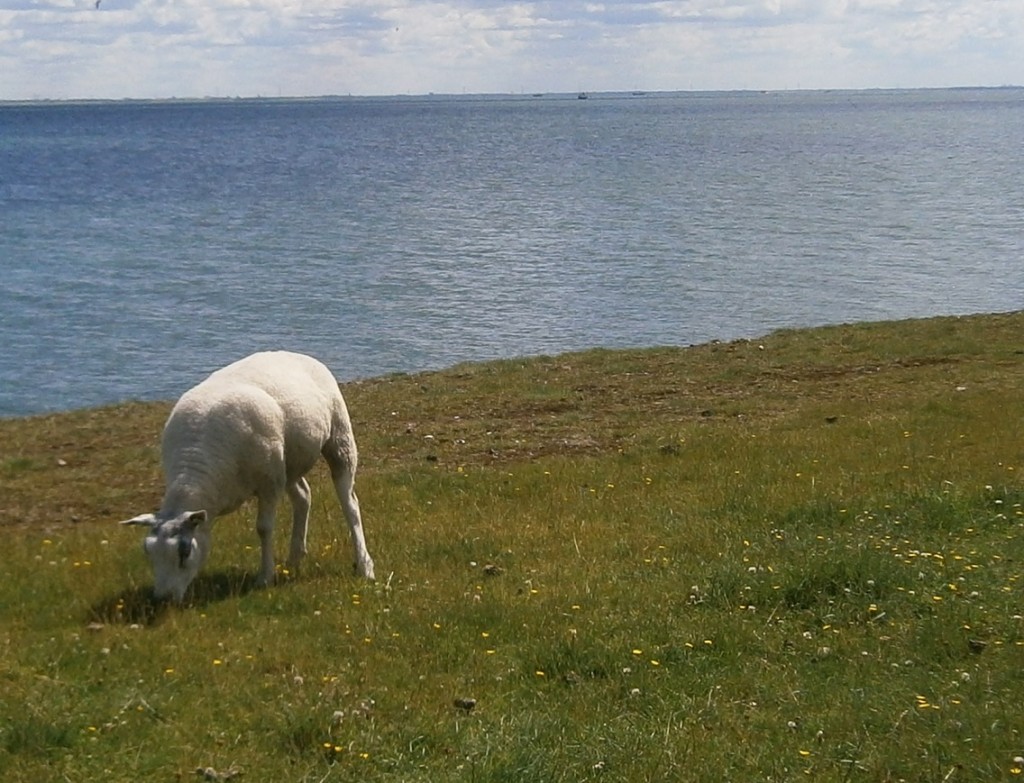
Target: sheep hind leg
point(299, 495)
point(266, 508)
point(344, 474)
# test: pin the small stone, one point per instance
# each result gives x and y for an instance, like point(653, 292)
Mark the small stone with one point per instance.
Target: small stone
point(976, 645)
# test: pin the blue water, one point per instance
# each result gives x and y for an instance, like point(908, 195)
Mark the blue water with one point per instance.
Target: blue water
point(144, 244)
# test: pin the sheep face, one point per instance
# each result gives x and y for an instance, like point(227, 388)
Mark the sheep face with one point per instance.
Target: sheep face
point(174, 550)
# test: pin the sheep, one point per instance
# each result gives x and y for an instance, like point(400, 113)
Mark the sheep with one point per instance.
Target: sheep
point(252, 429)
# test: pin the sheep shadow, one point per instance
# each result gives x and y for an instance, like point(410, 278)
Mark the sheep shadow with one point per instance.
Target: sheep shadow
point(139, 606)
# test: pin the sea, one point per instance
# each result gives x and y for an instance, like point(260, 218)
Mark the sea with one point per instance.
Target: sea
point(143, 244)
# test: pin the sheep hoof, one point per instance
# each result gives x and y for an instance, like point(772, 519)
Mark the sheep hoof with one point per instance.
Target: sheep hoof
point(364, 569)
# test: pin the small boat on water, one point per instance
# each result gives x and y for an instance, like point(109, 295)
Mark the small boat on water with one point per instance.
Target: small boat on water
point(582, 96)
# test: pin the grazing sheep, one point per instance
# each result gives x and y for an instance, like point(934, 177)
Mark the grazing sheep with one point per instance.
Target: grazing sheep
point(252, 429)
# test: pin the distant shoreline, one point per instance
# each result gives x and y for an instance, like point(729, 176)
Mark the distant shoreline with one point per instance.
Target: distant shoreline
point(532, 96)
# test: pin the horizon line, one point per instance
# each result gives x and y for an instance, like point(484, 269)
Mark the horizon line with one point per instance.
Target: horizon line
point(492, 95)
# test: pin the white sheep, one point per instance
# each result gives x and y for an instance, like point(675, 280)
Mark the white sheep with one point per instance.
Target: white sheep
point(252, 429)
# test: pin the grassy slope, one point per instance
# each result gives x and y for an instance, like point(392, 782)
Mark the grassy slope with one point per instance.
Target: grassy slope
point(752, 560)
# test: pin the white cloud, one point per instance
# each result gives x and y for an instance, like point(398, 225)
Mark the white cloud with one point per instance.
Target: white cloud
point(159, 48)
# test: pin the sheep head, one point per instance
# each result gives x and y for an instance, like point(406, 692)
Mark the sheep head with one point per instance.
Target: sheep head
point(174, 549)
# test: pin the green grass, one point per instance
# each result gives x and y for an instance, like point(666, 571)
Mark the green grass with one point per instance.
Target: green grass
point(793, 558)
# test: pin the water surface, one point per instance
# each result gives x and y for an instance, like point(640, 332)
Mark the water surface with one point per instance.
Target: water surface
point(144, 244)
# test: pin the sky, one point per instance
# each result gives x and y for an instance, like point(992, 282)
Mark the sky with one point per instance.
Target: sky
point(72, 49)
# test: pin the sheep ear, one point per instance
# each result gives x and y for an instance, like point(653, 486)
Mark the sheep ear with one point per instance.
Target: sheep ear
point(193, 520)
point(146, 520)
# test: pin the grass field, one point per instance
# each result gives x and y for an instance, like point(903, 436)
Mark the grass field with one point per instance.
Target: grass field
point(798, 557)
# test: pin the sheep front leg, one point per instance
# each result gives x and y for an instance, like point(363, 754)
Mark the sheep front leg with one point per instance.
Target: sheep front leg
point(265, 511)
point(299, 495)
